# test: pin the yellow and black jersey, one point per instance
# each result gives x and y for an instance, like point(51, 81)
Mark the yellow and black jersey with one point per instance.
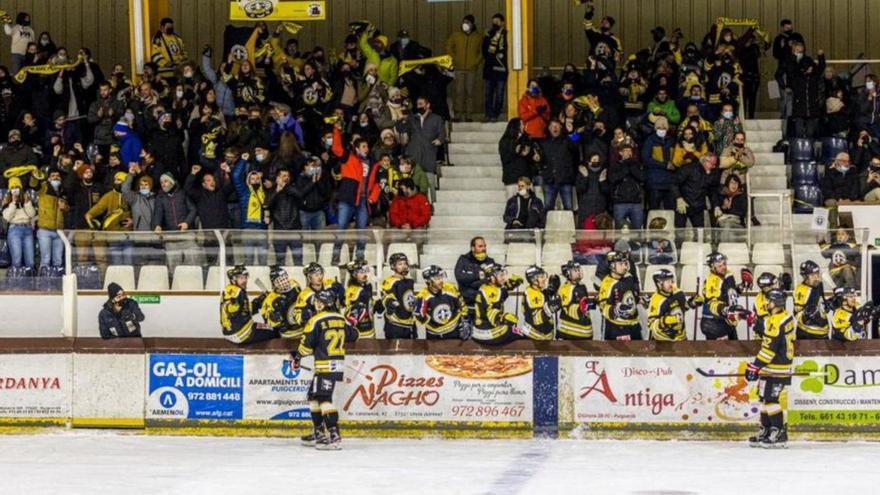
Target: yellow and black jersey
point(397, 297)
point(666, 316)
point(235, 314)
point(540, 319)
point(326, 335)
point(490, 319)
point(442, 311)
point(359, 304)
point(277, 310)
point(761, 312)
point(777, 345)
point(573, 322)
point(719, 293)
point(809, 310)
point(845, 327)
point(303, 308)
point(168, 52)
point(618, 300)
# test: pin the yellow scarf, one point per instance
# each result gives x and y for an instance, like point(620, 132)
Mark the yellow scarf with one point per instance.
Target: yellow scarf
point(255, 204)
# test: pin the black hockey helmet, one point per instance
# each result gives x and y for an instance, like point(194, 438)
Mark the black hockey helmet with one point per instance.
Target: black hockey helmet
point(617, 257)
point(280, 280)
point(492, 269)
point(715, 257)
point(766, 280)
point(842, 292)
point(396, 258)
point(809, 267)
point(432, 272)
point(533, 272)
point(358, 265)
point(777, 297)
point(237, 271)
point(312, 268)
point(327, 297)
point(661, 275)
point(569, 267)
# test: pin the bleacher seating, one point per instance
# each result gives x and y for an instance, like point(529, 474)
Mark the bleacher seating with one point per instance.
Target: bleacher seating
point(153, 278)
point(187, 278)
point(120, 274)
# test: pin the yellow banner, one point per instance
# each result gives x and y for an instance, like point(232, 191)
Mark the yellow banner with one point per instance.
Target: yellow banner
point(443, 61)
point(274, 10)
point(43, 70)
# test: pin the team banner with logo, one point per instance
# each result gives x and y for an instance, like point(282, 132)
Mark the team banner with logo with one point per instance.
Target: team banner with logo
point(273, 391)
point(275, 10)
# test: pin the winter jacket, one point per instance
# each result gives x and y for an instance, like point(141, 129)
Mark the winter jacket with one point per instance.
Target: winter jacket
point(418, 177)
point(81, 198)
point(167, 146)
point(519, 158)
point(495, 55)
point(129, 144)
point(656, 155)
point(423, 131)
point(528, 211)
point(20, 214)
point(467, 275)
point(695, 185)
point(50, 208)
point(225, 97)
point(558, 160)
point(211, 206)
point(387, 67)
point(172, 209)
point(626, 179)
point(313, 196)
point(288, 124)
point(806, 89)
point(125, 323)
point(683, 155)
point(111, 110)
point(466, 49)
point(534, 113)
point(414, 210)
point(109, 204)
point(251, 199)
point(141, 206)
point(283, 206)
point(666, 109)
point(592, 192)
point(351, 183)
point(14, 156)
point(736, 205)
point(837, 185)
point(725, 130)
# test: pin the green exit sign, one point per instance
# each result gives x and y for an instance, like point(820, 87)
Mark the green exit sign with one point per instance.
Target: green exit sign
point(877, 241)
point(146, 298)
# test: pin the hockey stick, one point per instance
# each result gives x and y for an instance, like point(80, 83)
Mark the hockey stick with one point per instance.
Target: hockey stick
point(712, 374)
point(696, 312)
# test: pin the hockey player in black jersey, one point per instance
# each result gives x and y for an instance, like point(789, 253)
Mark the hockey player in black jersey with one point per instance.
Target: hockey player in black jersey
point(326, 335)
point(618, 300)
point(440, 308)
point(574, 317)
point(492, 324)
point(276, 306)
point(810, 306)
point(849, 321)
point(397, 299)
point(766, 283)
point(303, 309)
point(359, 298)
point(541, 304)
point(772, 366)
point(667, 308)
point(236, 318)
point(720, 297)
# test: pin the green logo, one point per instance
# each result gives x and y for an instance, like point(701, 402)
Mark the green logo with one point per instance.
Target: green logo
point(146, 298)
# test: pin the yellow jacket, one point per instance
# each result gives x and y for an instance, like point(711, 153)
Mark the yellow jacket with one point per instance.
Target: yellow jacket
point(466, 49)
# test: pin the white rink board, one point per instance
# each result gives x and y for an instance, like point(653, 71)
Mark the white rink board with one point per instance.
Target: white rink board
point(35, 385)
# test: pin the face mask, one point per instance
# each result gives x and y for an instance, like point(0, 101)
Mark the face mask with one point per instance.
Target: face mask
point(15, 191)
point(843, 168)
point(421, 110)
point(328, 142)
point(661, 133)
point(364, 124)
point(798, 56)
point(260, 158)
point(362, 156)
point(44, 42)
point(523, 192)
point(169, 30)
point(869, 85)
point(371, 79)
point(568, 92)
point(62, 59)
point(480, 256)
point(26, 22)
point(466, 27)
point(404, 42)
point(727, 115)
point(313, 171)
point(179, 93)
point(534, 91)
point(695, 98)
point(129, 116)
point(145, 191)
point(55, 183)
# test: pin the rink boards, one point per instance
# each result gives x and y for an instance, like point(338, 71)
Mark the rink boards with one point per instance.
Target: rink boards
point(464, 392)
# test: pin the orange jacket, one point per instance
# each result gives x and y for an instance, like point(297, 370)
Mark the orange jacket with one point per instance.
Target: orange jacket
point(351, 171)
point(534, 122)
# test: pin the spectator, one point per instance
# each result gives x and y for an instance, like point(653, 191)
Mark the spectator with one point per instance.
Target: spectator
point(102, 115)
point(358, 189)
point(657, 157)
point(525, 210)
point(387, 145)
point(689, 149)
point(313, 189)
point(174, 212)
point(426, 132)
point(254, 214)
point(803, 77)
point(22, 35)
point(696, 184)
point(410, 209)
point(662, 106)
point(732, 206)
point(520, 156)
point(534, 111)
point(283, 207)
point(867, 106)
point(19, 213)
point(726, 127)
point(626, 179)
point(168, 50)
point(116, 218)
point(465, 47)
point(375, 50)
point(557, 172)
point(121, 316)
point(166, 147)
point(15, 154)
point(871, 181)
point(141, 200)
point(210, 194)
point(495, 68)
point(660, 250)
point(52, 207)
point(841, 183)
point(592, 188)
point(843, 256)
point(406, 48)
point(469, 272)
point(282, 121)
point(130, 144)
point(410, 170)
point(864, 149)
point(837, 116)
point(736, 159)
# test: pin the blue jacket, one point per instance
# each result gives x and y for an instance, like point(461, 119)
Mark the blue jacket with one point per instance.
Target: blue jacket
point(656, 155)
point(129, 144)
point(288, 124)
point(240, 174)
point(224, 95)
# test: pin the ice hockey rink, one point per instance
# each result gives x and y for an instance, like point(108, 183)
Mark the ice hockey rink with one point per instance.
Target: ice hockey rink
point(98, 463)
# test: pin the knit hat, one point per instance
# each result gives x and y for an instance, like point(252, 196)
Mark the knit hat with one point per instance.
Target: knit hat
point(15, 183)
point(80, 172)
point(167, 175)
point(385, 132)
point(120, 177)
point(113, 290)
point(14, 132)
point(383, 40)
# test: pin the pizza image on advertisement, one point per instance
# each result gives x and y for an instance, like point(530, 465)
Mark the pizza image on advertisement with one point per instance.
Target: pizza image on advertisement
point(481, 367)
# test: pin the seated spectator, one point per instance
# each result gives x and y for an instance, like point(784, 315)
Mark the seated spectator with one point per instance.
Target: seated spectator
point(837, 116)
point(695, 120)
point(410, 209)
point(626, 179)
point(841, 182)
point(592, 188)
point(733, 204)
point(534, 111)
point(19, 213)
point(871, 181)
point(726, 127)
point(525, 210)
point(121, 316)
point(843, 256)
point(662, 106)
point(411, 170)
point(864, 149)
point(689, 149)
point(660, 250)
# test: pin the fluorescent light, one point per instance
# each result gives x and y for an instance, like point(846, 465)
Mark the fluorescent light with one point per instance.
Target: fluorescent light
point(137, 10)
point(517, 27)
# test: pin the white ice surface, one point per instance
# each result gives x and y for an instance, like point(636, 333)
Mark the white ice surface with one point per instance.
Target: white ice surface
point(98, 463)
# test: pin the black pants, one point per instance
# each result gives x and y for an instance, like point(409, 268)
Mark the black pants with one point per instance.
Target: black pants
point(261, 335)
point(453, 335)
point(694, 214)
point(614, 331)
point(716, 328)
point(751, 85)
point(805, 127)
point(322, 388)
point(395, 331)
point(661, 199)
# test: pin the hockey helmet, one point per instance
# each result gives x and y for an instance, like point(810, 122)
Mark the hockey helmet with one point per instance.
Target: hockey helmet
point(280, 280)
point(617, 257)
point(661, 275)
point(237, 271)
point(568, 268)
point(776, 297)
point(356, 266)
point(809, 267)
point(714, 258)
point(767, 280)
point(396, 258)
point(533, 272)
point(493, 269)
point(312, 268)
point(433, 272)
point(327, 297)
point(842, 292)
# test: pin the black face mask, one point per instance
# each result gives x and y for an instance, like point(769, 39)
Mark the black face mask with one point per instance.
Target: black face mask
point(169, 30)
point(421, 110)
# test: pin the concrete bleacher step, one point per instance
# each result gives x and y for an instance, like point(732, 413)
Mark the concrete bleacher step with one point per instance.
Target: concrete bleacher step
point(467, 222)
point(765, 147)
point(769, 205)
point(457, 209)
point(769, 159)
point(496, 127)
point(476, 159)
point(475, 137)
point(763, 125)
point(472, 183)
point(768, 183)
point(472, 172)
point(456, 149)
point(762, 136)
point(458, 196)
point(769, 170)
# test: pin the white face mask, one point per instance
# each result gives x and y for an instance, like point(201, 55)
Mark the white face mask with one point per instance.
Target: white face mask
point(523, 192)
point(145, 191)
point(179, 93)
point(371, 79)
point(869, 85)
point(661, 133)
point(466, 27)
point(727, 115)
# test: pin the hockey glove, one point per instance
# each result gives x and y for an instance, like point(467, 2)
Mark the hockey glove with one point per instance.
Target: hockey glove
point(510, 319)
point(553, 305)
point(695, 301)
point(584, 306)
point(294, 361)
point(748, 280)
point(514, 281)
point(751, 316)
point(464, 329)
point(752, 372)
point(553, 284)
point(785, 281)
point(379, 307)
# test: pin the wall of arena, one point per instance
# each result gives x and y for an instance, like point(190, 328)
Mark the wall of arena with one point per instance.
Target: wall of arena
point(453, 389)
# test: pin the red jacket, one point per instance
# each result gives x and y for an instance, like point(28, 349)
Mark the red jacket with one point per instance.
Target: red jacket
point(352, 172)
point(414, 210)
point(534, 122)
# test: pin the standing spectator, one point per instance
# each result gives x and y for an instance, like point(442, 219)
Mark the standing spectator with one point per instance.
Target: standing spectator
point(841, 182)
point(534, 111)
point(427, 132)
point(695, 185)
point(174, 212)
point(592, 188)
point(406, 48)
point(167, 48)
point(254, 215)
point(495, 68)
point(557, 172)
point(52, 207)
point(19, 213)
point(627, 179)
point(358, 188)
point(782, 52)
point(737, 158)
point(210, 194)
point(283, 208)
point(519, 156)
point(141, 200)
point(657, 157)
point(468, 270)
point(102, 115)
point(121, 316)
point(313, 189)
point(749, 49)
point(16, 153)
point(22, 35)
point(282, 121)
point(867, 106)
point(375, 49)
point(804, 77)
point(465, 47)
point(130, 144)
point(410, 209)
point(524, 210)
point(726, 127)
point(116, 217)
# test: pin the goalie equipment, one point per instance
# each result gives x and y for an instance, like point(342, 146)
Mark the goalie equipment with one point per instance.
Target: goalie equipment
point(280, 281)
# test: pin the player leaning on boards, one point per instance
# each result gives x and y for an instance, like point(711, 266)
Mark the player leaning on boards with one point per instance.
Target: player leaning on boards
point(849, 321)
point(618, 300)
point(440, 307)
point(721, 310)
point(667, 307)
point(236, 318)
point(303, 309)
point(397, 299)
point(276, 305)
point(325, 336)
point(493, 325)
point(810, 306)
point(772, 366)
point(541, 304)
point(359, 305)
